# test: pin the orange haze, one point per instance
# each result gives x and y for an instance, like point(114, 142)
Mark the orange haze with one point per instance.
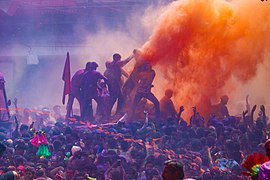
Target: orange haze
point(200, 45)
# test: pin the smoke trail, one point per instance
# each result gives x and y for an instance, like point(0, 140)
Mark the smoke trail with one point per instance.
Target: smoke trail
point(200, 45)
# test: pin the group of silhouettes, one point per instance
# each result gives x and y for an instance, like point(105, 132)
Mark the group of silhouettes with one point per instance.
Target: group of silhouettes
point(89, 84)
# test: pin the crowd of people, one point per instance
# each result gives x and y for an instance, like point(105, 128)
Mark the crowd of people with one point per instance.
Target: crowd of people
point(163, 145)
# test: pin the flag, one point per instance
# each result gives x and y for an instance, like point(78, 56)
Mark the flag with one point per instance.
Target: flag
point(66, 78)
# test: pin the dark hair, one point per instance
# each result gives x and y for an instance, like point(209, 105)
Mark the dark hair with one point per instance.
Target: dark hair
point(88, 65)
point(116, 57)
point(29, 169)
point(23, 127)
point(56, 145)
point(7, 176)
point(176, 167)
point(40, 172)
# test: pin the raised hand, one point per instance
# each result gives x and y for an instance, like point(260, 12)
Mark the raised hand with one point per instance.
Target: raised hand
point(146, 116)
point(194, 109)
point(16, 121)
point(181, 109)
point(253, 108)
point(32, 125)
point(262, 108)
point(245, 113)
point(247, 99)
point(15, 101)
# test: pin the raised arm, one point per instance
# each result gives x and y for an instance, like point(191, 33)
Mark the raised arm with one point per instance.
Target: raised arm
point(124, 62)
point(262, 108)
point(193, 117)
point(252, 115)
point(247, 104)
point(245, 118)
point(181, 110)
point(124, 73)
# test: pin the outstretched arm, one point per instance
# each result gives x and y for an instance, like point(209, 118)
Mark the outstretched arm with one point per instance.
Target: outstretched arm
point(124, 62)
point(124, 73)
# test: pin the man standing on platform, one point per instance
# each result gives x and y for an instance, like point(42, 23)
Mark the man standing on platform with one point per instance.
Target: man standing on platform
point(145, 83)
point(114, 74)
point(90, 91)
point(76, 89)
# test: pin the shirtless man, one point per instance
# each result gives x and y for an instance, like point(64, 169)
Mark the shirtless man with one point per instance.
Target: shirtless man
point(114, 74)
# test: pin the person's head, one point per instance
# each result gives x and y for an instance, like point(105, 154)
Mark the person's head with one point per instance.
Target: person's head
point(57, 109)
point(76, 150)
point(149, 166)
point(29, 173)
point(70, 172)
point(57, 145)
point(23, 128)
point(88, 65)
point(116, 174)
point(169, 93)
point(93, 66)
point(116, 57)
point(173, 170)
point(224, 99)
point(137, 54)
point(20, 149)
point(10, 175)
point(20, 170)
point(40, 172)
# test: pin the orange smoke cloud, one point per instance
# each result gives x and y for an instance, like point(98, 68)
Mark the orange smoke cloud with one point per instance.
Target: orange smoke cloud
point(201, 44)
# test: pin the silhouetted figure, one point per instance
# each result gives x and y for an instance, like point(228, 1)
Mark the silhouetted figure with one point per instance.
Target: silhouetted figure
point(76, 89)
point(166, 105)
point(114, 74)
point(221, 110)
point(145, 79)
point(90, 91)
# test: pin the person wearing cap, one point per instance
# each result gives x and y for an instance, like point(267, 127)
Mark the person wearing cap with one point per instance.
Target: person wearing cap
point(75, 89)
point(114, 74)
point(90, 91)
point(264, 171)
